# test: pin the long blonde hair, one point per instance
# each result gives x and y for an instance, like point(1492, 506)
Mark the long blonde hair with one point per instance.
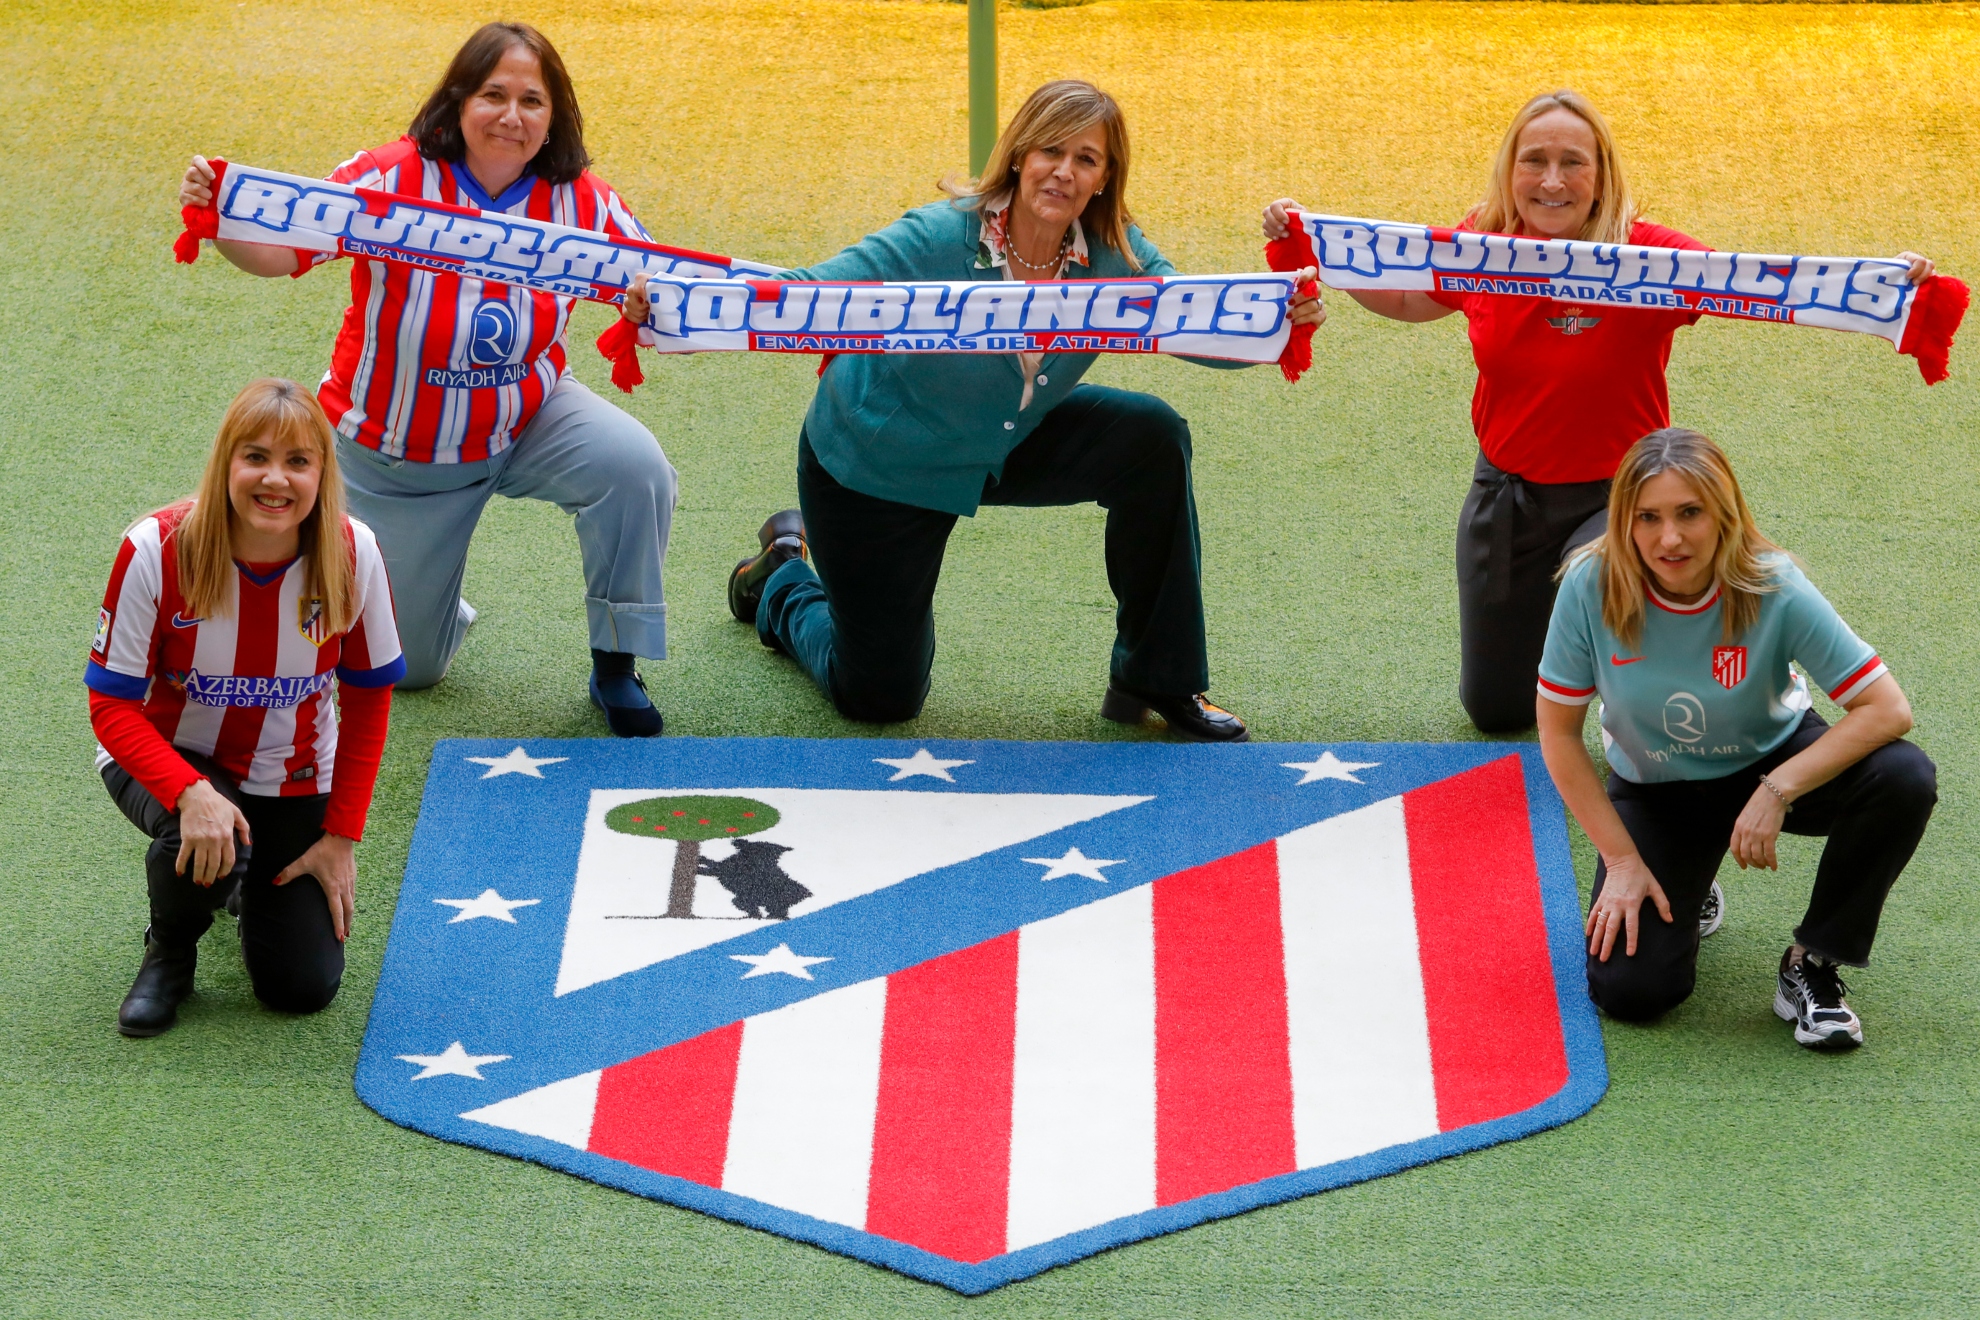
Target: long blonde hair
point(281, 410)
point(1048, 116)
point(1614, 211)
point(1742, 575)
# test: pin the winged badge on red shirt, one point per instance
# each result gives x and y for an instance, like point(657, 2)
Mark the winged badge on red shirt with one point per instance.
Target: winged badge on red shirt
point(1574, 323)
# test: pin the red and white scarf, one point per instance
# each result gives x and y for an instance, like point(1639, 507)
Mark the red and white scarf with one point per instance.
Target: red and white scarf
point(1869, 295)
point(702, 302)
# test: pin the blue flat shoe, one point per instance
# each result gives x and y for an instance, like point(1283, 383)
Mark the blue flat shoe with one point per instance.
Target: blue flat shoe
point(621, 695)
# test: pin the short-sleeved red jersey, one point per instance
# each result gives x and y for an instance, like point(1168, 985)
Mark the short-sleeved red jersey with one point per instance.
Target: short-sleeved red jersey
point(1565, 389)
point(438, 368)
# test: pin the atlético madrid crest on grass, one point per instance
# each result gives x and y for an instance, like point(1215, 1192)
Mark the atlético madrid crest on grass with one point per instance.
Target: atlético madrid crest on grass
point(973, 1010)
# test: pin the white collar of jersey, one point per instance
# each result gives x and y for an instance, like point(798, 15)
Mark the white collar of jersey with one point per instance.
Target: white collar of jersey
point(1663, 602)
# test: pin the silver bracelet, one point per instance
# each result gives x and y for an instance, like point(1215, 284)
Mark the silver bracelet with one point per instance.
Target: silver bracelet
point(1775, 789)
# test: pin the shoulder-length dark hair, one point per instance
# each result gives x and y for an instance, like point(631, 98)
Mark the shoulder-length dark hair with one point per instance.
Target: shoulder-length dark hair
point(437, 126)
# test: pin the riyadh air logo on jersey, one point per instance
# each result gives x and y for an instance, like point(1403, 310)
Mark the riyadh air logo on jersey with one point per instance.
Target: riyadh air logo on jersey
point(492, 343)
point(972, 1010)
point(309, 621)
point(1684, 717)
point(1728, 665)
point(494, 333)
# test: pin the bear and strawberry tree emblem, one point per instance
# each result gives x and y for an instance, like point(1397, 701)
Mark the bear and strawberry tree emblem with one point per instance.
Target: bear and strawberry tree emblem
point(689, 822)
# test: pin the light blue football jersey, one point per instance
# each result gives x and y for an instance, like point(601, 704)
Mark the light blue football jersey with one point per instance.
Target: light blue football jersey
point(1684, 704)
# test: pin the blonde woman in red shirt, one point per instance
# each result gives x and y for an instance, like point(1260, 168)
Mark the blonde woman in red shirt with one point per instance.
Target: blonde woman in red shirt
point(1563, 391)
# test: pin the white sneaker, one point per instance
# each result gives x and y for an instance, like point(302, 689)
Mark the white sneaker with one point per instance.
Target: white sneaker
point(1810, 995)
point(467, 612)
point(1713, 914)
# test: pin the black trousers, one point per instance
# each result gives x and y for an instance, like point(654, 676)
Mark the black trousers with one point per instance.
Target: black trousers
point(863, 624)
point(293, 957)
point(1873, 813)
point(1512, 536)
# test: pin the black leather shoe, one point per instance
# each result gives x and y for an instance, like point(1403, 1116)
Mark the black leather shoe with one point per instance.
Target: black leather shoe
point(619, 691)
point(1190, 718)
point(164, 981)
point(782, 539)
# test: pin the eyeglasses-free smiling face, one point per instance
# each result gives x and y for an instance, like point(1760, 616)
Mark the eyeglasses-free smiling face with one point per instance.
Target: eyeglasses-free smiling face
point(1556, 177)
point(1055, 182)
point(505, 122)
point(272, 485)
point(1676, 535)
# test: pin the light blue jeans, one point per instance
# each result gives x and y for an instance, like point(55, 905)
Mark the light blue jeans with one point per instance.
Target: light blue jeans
point(580, 453)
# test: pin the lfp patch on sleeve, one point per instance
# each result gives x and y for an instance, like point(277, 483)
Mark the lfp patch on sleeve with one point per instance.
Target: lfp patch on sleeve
point(973, 1010)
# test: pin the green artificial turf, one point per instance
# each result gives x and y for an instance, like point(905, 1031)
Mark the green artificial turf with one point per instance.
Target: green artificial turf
point(226, 1169)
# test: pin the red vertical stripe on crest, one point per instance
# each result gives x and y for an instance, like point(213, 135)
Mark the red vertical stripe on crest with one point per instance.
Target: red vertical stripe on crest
point(668, 1111)
point(942, 1133)
point(1488, 984)
point(1223, 1079)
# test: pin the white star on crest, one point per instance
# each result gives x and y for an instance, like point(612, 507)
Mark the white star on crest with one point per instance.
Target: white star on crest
point(779, 959)
point(517, 762)
point(488, 903)
point(1329, 766)
point(1074, 862)
point(451, 1062)
point(921, 763)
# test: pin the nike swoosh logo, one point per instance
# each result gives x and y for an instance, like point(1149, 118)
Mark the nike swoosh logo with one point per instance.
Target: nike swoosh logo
point(180, 621)
point(1614, 659)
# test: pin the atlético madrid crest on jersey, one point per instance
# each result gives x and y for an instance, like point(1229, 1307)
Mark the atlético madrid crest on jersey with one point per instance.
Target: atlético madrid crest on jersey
point(309, 621)
point(973, 1010)
point(1729, 665)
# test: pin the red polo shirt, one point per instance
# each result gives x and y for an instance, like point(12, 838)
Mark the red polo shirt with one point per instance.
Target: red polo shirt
point(1564, 389)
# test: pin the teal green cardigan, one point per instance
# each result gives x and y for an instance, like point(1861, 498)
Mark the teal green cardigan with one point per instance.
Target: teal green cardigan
point(929, 430)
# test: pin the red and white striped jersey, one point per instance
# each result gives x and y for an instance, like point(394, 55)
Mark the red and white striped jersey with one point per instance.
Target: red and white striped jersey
point(249, 686)
point(437, 368)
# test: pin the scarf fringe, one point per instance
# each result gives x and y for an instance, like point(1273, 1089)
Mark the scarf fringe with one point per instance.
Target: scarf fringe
point(1935, 318)
point(200, 221)
point(1294, 252)
point(619, 345)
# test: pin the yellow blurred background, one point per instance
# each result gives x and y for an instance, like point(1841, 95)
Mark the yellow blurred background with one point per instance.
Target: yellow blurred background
point(781, 130)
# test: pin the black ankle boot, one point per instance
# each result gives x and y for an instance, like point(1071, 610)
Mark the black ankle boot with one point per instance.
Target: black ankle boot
point(782, 540)
point(164, 981)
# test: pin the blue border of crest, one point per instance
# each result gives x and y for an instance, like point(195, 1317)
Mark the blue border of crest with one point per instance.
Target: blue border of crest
point(1587, 1082)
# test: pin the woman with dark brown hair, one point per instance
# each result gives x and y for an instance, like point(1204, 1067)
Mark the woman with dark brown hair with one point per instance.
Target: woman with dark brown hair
point(895, 449)
point(446, 391)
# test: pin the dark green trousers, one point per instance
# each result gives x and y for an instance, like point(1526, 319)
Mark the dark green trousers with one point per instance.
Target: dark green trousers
point(863, 624)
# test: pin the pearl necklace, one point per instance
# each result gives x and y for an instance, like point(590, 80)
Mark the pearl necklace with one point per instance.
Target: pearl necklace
point(1053, 267)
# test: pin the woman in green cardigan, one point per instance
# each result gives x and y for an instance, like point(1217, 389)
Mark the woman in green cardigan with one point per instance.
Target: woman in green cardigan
point(894, 449)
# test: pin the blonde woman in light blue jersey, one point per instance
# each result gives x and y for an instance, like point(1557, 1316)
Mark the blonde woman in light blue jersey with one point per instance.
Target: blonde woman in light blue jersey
point(1684, 619)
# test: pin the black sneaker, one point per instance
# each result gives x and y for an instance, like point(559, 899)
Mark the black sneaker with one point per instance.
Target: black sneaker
point(1810, 995)
point(1713, 914)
